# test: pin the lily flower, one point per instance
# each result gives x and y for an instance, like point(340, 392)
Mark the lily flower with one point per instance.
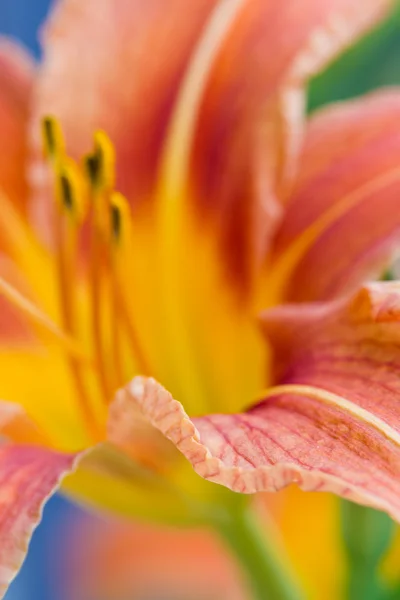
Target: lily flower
point(225, 203)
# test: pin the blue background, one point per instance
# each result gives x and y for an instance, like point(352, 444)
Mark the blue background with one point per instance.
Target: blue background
point(22, 18)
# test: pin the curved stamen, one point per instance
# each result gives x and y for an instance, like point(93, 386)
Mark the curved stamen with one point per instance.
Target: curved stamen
point(100, 164)
point(110, 240)
point(52, 139)
point(67, 190)
point(100, 172)
point(92, 215)
point(120, 256)
point(38, 317)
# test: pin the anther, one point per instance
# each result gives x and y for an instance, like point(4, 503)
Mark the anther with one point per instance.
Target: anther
point(119, 215)
point(67, 193)
point(92, 165)
point(115, 222)
point(100, 164)
point(69, 189)
point(52, 138)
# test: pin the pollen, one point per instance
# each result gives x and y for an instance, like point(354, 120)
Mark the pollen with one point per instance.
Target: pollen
point(70, 189)
point(52, 138)
point(84, 274)
point(100, 164)
point(120, 217)
point(91, 233)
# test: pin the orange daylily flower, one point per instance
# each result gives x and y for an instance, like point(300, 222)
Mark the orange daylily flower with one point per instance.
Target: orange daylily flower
point(232, 204)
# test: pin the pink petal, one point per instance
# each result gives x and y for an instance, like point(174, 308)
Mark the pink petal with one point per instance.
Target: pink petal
point(339, 431)
point(117, 64)
point(350, 177)
point(173, 80)
point(347, 347)
point(28, 476)
point(16, 79)
point(250, 116)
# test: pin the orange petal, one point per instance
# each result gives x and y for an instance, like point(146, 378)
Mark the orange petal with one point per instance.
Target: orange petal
point(339, 367)
point(344, 209)
point(250, 115)
point(117, 66)
point(16, 79)
point(186, 102)
point(28, 476)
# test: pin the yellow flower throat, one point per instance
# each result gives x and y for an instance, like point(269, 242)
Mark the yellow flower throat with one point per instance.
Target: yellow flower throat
point(105, 303)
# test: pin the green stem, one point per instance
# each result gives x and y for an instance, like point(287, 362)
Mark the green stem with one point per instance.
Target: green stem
point(367, 535)
point(266, 571)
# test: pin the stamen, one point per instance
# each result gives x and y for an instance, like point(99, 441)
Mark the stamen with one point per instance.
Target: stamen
point(66, 192)
point(97, 263)
point(69, 189)
point(115, 222)
point(122, 251)
point(120, 217)
point(70, 197)
point(38, 317)
point(82, 192)
point(52, 138)
point(110, 224)
point(100, 165)
point(24, 247)
point(99, 168)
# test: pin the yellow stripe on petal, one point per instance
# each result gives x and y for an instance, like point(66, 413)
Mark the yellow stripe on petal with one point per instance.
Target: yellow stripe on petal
point(279, 275)
point(178, 145)
point(336, 401)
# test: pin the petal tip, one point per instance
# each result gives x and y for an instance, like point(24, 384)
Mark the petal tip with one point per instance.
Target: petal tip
point(137, 387)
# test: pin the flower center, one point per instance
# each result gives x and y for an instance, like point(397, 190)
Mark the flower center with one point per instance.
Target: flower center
point(86, 273)
point(123, 296)
point(92, 239)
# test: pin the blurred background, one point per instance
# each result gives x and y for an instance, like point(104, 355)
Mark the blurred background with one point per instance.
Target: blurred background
point(57, 547)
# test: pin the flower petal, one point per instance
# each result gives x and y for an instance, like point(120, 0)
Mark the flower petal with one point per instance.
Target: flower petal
point(333, 425)
point(16, 79)
point(28, 476)
point(347, 190)
point(114, 53)
point(140, 474)
point(349, 347)
point(187, 105)
point(250, 116)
